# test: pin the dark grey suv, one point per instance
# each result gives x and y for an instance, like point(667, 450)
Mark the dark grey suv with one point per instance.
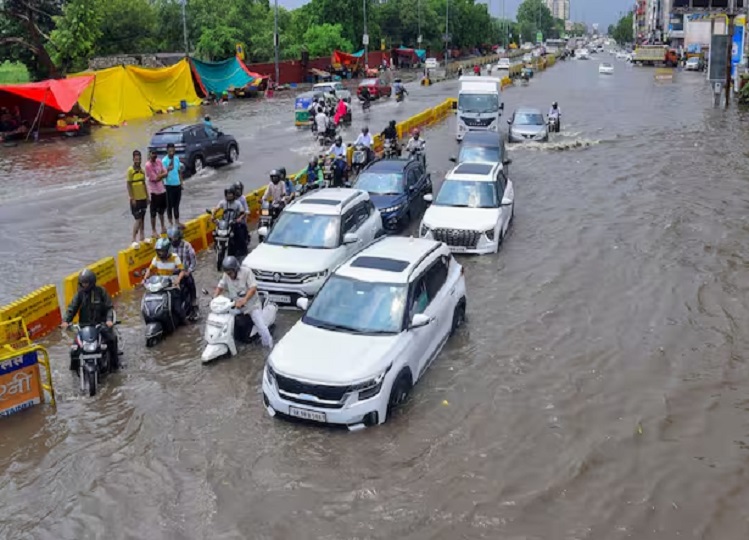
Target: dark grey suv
point(197, 145)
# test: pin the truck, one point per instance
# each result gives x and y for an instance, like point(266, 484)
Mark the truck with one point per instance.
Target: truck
point(655, 55)
point(480, 105)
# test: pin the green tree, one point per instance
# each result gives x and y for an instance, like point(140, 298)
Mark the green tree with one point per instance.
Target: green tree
point(533, 16)
point(24, 33)
point(623, 32)
point(579, 29)
point(76, 32)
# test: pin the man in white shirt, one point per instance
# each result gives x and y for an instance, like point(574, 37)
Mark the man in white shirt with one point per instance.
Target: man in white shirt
point(365, 139)
point(339, 166)
point(239, 284)
point(321, 119)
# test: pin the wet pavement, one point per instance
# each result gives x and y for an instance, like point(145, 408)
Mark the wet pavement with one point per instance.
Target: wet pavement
point(598, 390)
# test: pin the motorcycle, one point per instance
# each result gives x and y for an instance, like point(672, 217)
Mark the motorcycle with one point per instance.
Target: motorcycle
point(157, 309)
point(326, 139)
point(366, 104)
point(359, 158)
point(224, 241)
point(400, 95)
point(219, 327)
point(268, 215)
point(90, 358)
point(553, 124)
point(389, 149)
point(418, 153)
point(327, 169)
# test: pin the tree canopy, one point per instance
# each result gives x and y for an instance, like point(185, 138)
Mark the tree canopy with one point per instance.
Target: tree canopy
point(623, 31)
point(54, 37)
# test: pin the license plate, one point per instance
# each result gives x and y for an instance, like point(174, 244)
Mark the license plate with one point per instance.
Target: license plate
point(264, 213)
point(279, 298)
point(457, 249)
point(90, 357)
point(306, 414)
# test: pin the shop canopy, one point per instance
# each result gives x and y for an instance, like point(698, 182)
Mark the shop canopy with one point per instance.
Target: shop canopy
point(421, 54)
point(218, 77)
point(346, 59)
point(59, 94)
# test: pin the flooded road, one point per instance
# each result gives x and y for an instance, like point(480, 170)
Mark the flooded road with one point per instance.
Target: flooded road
point(598, 391)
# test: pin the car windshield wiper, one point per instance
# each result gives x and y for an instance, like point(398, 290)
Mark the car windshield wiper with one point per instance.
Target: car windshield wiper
point(339, 327)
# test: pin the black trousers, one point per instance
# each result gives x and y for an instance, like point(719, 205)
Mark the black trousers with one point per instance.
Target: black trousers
point(173, 198)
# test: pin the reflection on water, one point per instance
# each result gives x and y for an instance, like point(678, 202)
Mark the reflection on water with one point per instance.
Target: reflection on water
point(598, 390)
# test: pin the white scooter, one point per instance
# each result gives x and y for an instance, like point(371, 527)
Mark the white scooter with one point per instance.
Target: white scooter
point(219, 327)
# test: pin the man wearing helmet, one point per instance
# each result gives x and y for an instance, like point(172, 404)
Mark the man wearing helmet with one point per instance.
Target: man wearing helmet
point(338, 150)
point(231, 203)
point(167, 263)
point(287, 183)
point(239, 284)
point(416, 145)
point(365, 139)
point(555, 112)
point(93, 305)
point(239, 193)
point(390, 133)
point(276, 190)
point(186, 253)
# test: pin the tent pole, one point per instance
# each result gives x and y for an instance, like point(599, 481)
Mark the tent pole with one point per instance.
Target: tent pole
point(38, 115)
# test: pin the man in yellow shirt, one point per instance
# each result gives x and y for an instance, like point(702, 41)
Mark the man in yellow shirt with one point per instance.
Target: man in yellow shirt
point(136, 190)
point(167, 263)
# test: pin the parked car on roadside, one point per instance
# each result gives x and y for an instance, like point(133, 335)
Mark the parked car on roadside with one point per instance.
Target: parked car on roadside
point(196, 145)
point(368, 337)
point(695, 63)
point(377, 88)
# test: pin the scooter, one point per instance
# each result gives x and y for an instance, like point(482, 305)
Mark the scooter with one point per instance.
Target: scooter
point(90, 358)
point(389, 149)
point(157, 309)
point(268, 215)
point(219, 327)
point(400, 96)
point(359, 159)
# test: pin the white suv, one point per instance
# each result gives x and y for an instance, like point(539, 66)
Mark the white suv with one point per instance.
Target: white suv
point(369, 335)
point(473, 209)
point(311, 237)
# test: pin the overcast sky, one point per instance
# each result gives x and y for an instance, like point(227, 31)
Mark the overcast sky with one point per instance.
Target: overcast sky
point(603, 12)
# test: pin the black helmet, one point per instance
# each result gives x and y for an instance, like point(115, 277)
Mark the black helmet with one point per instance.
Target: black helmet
point(230, 264)
point(392, 123)
point(175, 235)
point(86, 279)
point(365, 130)
point(163, 247)
point(238, 188)
point(275, 176)
point(554, 104)
point(339, 140)
point(230, 191)
point(282, 172)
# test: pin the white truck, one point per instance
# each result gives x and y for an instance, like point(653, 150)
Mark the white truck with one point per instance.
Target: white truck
point(480, 104)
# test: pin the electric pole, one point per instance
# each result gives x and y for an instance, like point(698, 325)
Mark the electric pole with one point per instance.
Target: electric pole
point(275, 41)
point(365, 37)
point(729, 48)
point(184, 27)
point(447, 33)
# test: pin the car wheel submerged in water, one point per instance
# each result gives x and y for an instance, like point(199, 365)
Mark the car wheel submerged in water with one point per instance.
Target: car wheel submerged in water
point(232, 155)
point(198, 164)
point(400, 391)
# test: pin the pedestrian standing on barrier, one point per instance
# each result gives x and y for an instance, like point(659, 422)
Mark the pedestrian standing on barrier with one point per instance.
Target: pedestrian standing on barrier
point(173, 183)
point(138, 194)
point(155, 174)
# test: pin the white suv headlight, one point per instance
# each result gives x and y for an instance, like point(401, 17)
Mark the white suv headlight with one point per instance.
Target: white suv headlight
point(424, 230)
point(369, 389)
point(314, 276)
point(490, 235)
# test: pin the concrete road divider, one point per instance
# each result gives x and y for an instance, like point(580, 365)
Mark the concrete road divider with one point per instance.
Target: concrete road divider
point(132, 264)
point(40, 310)
point(194, 232)
point(106, 276)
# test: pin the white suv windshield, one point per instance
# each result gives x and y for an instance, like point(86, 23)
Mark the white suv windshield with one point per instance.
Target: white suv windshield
point(467, 194)
point(358, 307)
point(380, 183)
point(478, 103)
point(478, 154)
point(305, 231)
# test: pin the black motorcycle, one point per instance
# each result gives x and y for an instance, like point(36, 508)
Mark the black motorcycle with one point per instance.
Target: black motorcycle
point(158, 309)
point(553, 124)
point(359, 158)
point(390, 149)
point(400, 95)
point(269, 213)
point(90, 357)
point(227, 238)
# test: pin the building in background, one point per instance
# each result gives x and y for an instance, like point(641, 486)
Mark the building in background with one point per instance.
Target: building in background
point(560, 9)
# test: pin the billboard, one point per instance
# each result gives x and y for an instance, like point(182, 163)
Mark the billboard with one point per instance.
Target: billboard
point(716, 65)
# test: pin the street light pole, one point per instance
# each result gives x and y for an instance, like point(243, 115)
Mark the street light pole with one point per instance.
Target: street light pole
point(447, 33)
point(729, 48)
point(366, 36)
point(275, 40)
point(418, 39)
point(184, 27)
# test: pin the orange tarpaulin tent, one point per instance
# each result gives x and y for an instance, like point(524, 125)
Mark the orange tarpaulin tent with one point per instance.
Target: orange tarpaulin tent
point(59, 94)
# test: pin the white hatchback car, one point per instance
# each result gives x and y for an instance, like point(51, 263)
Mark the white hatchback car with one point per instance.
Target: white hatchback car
point(473, 209)
point(311, 237)
point(369, 335)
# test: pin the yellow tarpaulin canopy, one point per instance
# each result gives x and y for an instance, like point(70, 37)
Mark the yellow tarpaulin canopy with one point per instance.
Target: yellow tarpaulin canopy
point(123, 93)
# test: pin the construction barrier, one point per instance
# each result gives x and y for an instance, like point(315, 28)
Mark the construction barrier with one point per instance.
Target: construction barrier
point(21, 383)
point(132, 264)
point(195, 232)
point(106, 276)
point(40, 309)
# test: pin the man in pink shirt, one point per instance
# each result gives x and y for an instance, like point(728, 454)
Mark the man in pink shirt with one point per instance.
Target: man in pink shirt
point(155, 174)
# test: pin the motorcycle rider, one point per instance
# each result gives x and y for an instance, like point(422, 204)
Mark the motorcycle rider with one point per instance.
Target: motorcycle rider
point(398, 88)
point(186, 254)
point(556, 112)
point(338, 150)
point(416, 144)
point(341, 112)
point(365, 139)
point(93, 305)
point(239, 192)
point(314, 173)
point(288, 184)
point(276, 190)
point(167, 263)
point(365, 96)
point(235, 281)
point(390, 133)
point(239, 220)
point(321, 121)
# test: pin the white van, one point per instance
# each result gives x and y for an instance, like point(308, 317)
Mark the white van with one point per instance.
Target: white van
point(480, 104)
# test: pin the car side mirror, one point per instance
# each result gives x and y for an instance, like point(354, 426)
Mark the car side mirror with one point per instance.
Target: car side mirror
point(428, 198)
point(419, 320)
point(262, 231)
point(302, 303)
point(509, 121)
point(506, 201)
point(350, 238)
point(507, 162)
point(453, 159)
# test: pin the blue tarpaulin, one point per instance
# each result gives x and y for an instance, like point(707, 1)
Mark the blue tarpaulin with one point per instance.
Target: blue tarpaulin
point(217, 77)
point(420, 53)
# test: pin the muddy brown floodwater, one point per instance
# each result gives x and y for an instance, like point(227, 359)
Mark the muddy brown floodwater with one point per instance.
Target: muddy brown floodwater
point(598, 391)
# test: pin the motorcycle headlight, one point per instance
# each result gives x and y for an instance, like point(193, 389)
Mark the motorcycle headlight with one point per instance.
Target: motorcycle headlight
point(264, 212)
point(90, 347)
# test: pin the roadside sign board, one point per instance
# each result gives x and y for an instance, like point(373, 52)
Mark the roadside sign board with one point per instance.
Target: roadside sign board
point(717, 61)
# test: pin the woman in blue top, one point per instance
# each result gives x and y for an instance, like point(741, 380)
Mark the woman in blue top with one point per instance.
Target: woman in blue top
point(173, 184)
